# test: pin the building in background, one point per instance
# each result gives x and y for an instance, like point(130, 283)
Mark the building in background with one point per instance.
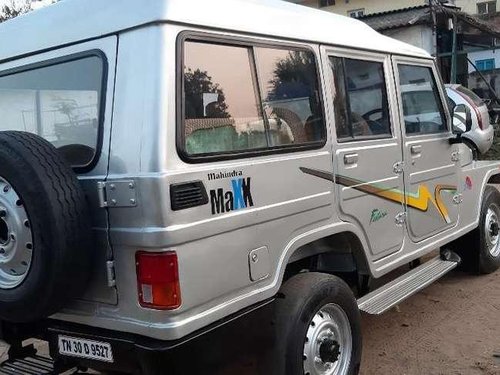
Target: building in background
point(360, 8)
point(463, 34)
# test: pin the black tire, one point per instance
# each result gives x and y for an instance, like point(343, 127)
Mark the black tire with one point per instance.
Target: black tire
point(487, 262)
point(58, 216)
point(301, 299)
point(473, 247)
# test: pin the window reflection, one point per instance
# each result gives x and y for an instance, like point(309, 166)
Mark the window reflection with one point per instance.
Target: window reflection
point(60, 103)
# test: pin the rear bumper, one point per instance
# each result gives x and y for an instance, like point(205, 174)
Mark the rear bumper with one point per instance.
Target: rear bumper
point(132, 354)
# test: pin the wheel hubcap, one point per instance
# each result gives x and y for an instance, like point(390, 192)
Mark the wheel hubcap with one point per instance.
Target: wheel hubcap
point(16, 242)
point(328, 343)
point(492, 230)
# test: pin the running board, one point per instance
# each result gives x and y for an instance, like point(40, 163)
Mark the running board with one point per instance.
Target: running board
point(30, 365)
point(389, 295)
point(24, 360)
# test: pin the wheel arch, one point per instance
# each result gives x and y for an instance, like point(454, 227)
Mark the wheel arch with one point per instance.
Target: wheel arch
point(341, 251)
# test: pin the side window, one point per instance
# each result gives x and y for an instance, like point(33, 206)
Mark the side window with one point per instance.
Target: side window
point(422, 108)
point(60, 102)
point(221, 109)
point(361, 105)
point(290, 96)
point(253, 99)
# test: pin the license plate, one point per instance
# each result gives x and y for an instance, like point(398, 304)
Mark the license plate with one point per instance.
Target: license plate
point(96, 350)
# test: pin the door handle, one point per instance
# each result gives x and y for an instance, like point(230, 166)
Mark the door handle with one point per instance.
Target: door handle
point(416, 149)
point(350, 159)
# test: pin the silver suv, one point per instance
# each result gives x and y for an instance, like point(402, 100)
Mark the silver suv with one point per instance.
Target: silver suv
point(168, 168)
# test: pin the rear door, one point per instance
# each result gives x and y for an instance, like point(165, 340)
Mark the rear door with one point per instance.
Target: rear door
point(65, 97)
point(367, 150)
point(431, 162)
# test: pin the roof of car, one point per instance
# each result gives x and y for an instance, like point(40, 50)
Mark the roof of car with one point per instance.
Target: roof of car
point(71, 21)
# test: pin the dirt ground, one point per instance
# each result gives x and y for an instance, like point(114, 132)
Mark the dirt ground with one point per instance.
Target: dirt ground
point(452, 327)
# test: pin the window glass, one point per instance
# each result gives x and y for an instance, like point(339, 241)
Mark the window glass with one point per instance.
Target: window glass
point(356, 13)
point(488, 7)
point(221, 111)
point(422, 107)
point(60, 103)
point(229, 107)
point(361, 105)
point(486, 64)
point(326, 3)
point(290, 96)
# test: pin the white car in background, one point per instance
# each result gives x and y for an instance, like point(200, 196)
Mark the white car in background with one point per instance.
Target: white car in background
point(480, 137)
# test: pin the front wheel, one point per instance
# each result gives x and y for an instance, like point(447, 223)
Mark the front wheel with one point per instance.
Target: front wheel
point(317, 327)
point(489, 228)
point(480, 249)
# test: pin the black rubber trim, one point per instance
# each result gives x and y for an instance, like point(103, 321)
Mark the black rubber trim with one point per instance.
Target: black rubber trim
point(187, 195)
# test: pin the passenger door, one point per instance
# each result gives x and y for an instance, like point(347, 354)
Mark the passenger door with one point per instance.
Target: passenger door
point(431, 162)
point(367, 171)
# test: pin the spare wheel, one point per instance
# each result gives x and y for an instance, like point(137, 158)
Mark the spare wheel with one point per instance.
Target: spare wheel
point(45, 236)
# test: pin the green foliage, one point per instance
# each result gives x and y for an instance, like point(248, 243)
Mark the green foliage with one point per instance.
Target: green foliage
point(14, 9)
point(292, 76)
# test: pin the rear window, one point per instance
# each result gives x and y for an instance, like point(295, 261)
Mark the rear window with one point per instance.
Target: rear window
point(60, 102)
point(476, 99)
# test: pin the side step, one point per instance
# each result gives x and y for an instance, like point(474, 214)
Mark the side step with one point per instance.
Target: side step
point(29, 365)
point(389, 295)
point(24, 360)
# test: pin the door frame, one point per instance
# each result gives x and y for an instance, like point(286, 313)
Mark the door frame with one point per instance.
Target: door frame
point(407, 141)
point(376, 142)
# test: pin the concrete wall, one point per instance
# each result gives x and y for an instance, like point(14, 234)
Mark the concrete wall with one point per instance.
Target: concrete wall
point(418, 35)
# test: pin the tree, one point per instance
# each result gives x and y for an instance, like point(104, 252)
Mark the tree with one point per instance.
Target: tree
point(196, 84)
point(14, 9)
point(292, 76)
point(17, 7)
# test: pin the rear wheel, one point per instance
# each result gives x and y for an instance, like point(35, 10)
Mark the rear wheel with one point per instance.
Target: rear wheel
point(317, 327)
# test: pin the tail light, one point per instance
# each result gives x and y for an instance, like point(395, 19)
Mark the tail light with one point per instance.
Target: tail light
point(158, 280)
point(474, 106)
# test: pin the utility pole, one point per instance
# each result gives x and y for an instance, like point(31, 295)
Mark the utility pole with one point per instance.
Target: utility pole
point(434, 28)
point(454, 52)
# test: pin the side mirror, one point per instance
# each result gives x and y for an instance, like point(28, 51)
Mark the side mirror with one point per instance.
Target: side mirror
point(462, 119)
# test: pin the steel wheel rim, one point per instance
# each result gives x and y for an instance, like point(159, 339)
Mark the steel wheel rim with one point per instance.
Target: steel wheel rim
point(491, 229)
point(328, 337)
point(16, 241)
